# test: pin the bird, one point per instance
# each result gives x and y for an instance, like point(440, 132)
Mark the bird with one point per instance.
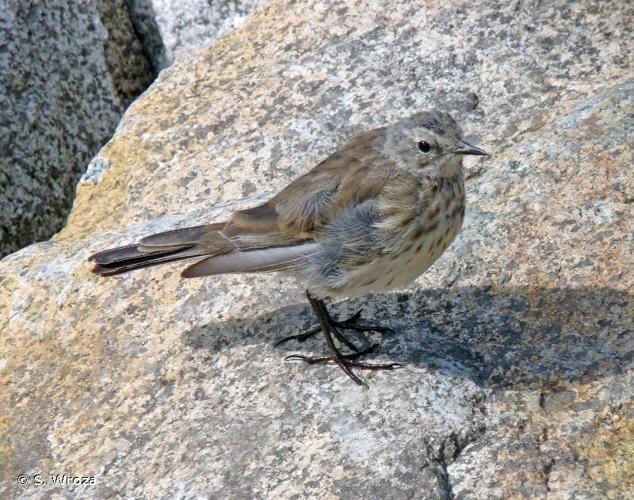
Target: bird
point(372, 216)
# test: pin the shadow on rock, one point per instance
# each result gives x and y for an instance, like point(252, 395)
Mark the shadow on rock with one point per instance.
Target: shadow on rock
point(497, 337)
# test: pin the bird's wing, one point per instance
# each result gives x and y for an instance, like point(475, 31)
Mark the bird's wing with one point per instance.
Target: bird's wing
point(352, 175)
point(273, 236)
point(279, 234)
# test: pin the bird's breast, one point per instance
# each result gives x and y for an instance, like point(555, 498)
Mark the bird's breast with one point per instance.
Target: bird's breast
point(407, 244)
point(422, 241)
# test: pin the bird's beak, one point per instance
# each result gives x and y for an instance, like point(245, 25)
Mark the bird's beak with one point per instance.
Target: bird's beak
point(464, 148)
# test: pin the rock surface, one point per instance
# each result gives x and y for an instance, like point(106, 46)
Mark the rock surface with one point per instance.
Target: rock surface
point(517, 344)
point(171, 28)
point(69, 69)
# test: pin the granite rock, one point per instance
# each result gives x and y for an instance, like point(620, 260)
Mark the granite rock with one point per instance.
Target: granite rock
point(518, 344)
point(69, 69)
point(171, 28)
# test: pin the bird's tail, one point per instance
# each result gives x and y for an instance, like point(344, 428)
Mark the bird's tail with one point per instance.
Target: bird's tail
point(161, 248)
point(242, 253)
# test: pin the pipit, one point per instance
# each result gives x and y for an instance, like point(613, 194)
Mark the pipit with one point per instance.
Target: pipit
point(372, 216)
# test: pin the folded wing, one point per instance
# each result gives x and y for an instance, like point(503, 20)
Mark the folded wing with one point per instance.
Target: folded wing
point(280, 234)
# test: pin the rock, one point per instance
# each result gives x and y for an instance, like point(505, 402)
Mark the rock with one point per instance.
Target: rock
point(517, 344)
point(127, 64)
point(171, 28)
point(69, 69)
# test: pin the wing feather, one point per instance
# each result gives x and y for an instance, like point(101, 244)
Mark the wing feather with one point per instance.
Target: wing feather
point(352, 175)
point(268, 259)
point(276, 235)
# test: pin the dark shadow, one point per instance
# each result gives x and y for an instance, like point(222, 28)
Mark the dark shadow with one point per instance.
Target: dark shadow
point(504, 338)
point(143, 20)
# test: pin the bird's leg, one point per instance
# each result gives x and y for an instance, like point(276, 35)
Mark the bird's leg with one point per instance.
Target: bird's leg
point(345, 362)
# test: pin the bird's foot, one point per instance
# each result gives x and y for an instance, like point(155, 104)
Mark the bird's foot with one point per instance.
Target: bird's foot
point(331, 359)
point(347, 362)
point(301, 337)
point(354, 322)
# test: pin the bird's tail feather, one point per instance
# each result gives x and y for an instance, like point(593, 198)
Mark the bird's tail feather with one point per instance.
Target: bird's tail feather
point(241, 254)
point(124, 259)
point(177, 238)
point(161, 248)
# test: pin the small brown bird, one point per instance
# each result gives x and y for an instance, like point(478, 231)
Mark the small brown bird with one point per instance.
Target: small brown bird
point(372, 216)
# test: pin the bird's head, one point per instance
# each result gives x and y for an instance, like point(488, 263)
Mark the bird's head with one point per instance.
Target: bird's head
point(428, 143)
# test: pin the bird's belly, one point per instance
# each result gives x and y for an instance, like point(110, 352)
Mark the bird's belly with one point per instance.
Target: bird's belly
point(398, 268)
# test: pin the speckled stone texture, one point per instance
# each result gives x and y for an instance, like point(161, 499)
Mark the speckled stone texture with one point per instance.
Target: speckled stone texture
point(67, 72)
point(171, 28)
point(518, 344)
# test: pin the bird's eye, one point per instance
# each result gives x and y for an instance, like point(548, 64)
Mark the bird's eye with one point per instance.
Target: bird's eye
point(424, 146)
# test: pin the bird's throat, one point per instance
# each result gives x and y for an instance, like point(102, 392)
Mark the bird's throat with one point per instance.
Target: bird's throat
point(448, 166)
